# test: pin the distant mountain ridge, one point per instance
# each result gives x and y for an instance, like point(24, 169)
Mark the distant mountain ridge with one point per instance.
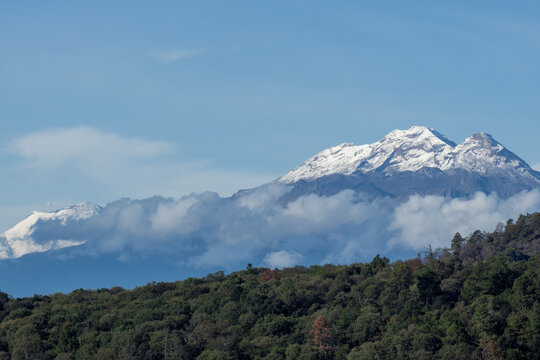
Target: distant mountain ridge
point(419, 160)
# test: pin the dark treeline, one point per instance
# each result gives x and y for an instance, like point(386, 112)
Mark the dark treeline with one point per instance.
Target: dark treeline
point(480, 299)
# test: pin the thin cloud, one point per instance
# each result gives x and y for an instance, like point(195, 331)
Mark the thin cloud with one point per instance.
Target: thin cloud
point(536, 167)
point(116, 165)
point(171, 56)
point(55, 146)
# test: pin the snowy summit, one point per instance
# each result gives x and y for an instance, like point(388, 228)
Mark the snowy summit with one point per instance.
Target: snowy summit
point(411, 150)
point(419, 161)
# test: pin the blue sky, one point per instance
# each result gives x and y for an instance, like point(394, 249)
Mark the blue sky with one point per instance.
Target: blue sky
point(100, 100)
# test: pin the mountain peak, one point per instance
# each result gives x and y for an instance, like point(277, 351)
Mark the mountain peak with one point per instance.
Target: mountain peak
point(418, 133)
point(483, 138)
point(85, 209)
point(410, 150)
point(481, 153)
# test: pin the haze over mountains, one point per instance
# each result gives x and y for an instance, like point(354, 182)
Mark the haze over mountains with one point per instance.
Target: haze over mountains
point(412, 188)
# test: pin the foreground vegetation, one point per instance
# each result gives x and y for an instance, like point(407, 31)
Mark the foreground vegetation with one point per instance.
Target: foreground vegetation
point(478, 300)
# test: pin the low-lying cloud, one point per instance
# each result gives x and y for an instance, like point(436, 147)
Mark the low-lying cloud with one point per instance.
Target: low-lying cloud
point(433, 219)
point(206, 230)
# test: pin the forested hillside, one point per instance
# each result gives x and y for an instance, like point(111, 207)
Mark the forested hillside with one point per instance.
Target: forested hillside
point(478, 300)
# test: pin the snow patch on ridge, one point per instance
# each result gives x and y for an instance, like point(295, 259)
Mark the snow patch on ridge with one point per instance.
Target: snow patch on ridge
point(18, 240)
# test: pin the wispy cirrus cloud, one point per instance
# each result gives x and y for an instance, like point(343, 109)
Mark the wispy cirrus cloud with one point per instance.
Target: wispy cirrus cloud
point(174, 55)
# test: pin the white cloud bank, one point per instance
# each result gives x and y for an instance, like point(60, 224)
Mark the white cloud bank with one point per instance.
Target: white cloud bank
point(434, 219)
point(206, 230)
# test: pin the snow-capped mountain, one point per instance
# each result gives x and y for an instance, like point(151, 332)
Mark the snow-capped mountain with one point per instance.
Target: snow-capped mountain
point(18, 240)
point(405, 162)
point(418, 160)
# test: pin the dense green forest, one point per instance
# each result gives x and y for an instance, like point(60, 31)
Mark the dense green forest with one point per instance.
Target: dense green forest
point(480, 299)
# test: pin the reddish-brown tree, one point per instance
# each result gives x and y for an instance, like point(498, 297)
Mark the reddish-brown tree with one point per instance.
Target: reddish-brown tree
point(322, 337)
point(415, 263)
point(269, 275)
